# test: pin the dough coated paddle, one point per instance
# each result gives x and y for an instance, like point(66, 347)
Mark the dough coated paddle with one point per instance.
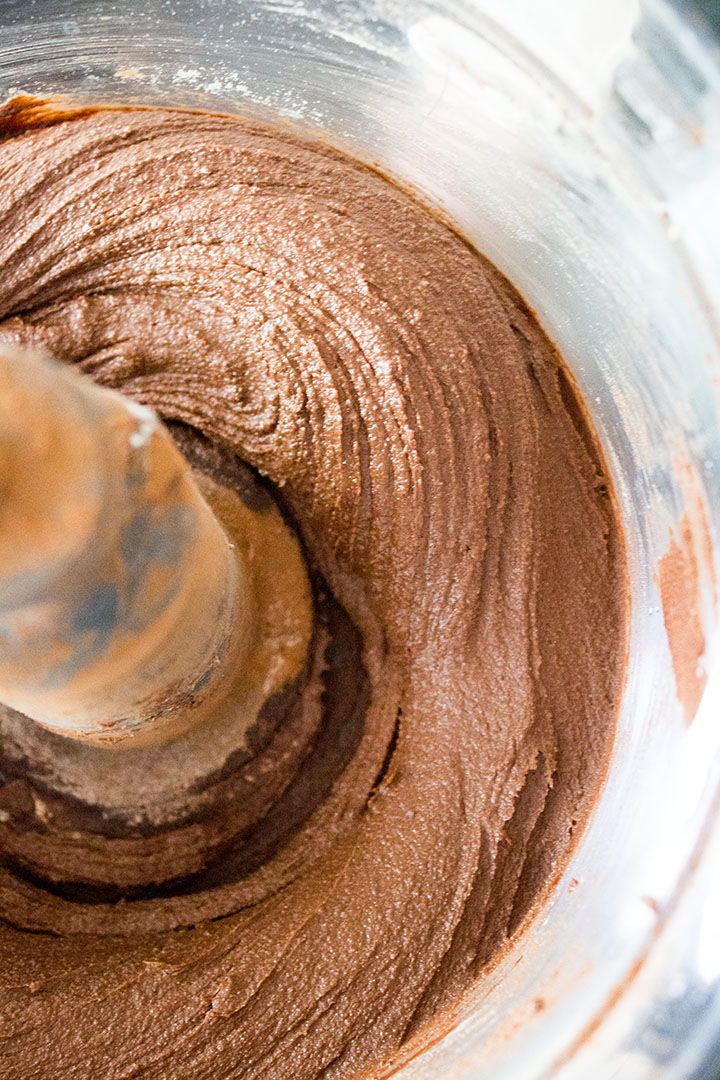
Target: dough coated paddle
point(122, 599)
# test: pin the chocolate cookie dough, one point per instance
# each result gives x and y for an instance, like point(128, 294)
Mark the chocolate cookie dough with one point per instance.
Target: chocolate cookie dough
point(317, 339)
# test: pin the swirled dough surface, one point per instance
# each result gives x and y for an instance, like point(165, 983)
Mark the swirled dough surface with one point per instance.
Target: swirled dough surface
point(424, 437)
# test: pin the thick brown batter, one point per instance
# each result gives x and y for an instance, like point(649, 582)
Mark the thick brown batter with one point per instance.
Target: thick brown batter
point(422, 434)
